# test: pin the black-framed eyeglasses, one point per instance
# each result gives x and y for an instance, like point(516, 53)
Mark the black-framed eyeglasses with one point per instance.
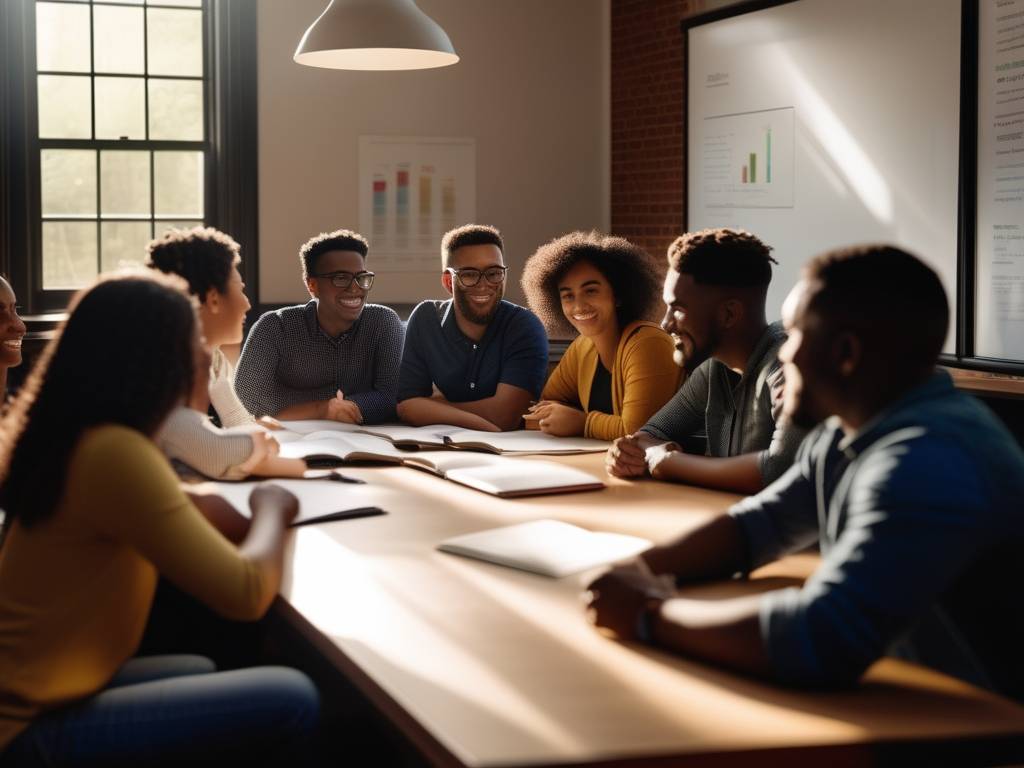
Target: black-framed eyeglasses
point(468, 277)
point(344, 279)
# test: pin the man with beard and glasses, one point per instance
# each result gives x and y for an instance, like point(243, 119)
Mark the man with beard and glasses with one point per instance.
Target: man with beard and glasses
point(911, 489)
point(475, 360)
point(715, 292)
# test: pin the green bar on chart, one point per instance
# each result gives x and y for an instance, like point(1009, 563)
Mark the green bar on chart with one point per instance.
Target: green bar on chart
point(753, 168)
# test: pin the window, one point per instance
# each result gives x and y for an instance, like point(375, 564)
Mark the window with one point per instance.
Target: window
point(119, 119)
point(122, 136)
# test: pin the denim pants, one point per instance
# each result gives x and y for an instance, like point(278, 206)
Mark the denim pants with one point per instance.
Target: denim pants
point(178, 710)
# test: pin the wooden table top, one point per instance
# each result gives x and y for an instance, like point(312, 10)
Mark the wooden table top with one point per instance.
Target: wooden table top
point(481, 665)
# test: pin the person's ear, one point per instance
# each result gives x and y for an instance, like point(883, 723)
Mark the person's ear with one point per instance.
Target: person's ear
point(212, 301)
point(446, 281)
point(311, 287)
point(848, 352)
point(730, 313)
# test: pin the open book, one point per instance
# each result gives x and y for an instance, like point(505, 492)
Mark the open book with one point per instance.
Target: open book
point(520, 441)
point(547, 547)
point(319, 500)
point(490, 474)
point(336, 445)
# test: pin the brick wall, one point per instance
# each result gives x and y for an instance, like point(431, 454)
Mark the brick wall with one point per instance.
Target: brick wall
point(647, 113)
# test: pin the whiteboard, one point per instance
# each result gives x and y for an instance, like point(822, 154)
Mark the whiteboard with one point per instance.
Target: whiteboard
point(999, 284)
point(825, 123)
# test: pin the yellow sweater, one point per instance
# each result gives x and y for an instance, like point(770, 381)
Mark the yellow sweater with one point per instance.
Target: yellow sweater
point(76, 589)
point(644, 378)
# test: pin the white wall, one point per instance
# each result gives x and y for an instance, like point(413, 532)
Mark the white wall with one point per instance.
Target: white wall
point(532, 88)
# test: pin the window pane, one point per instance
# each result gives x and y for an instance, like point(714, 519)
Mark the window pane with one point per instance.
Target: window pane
point(69, 254)
point(124, 2)
point(62, 37)
point(65, 107)
point(124, 184)
point(180, 3)
point(118, 37)
point(123, 243)
point(68, 179)
point(120, 108)
point(176, 110)
point(175, 42)
point(162, 226)
point(178, 184)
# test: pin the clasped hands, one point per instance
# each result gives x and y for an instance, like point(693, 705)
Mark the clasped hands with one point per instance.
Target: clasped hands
point(636, 454)
point(340, 409)
point(616, 600)
point(556, 418)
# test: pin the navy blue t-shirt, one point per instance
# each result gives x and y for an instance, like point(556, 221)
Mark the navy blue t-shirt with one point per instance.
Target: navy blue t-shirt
point(514, 350)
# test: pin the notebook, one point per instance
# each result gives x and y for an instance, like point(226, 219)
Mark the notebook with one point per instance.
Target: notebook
point(330, 445)
point(548, 547)
point(320, 501)
point(504, 477)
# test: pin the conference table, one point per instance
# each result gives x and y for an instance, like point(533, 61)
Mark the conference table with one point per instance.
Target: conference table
point(480, 665)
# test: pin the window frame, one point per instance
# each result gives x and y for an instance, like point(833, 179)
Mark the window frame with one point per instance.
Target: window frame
point(230, 146)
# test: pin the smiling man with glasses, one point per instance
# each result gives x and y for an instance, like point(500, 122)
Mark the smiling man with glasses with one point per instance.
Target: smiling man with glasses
point(474, 361)
point(335, 357)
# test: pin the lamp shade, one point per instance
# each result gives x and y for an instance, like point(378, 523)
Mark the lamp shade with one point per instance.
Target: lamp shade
point(375, 34)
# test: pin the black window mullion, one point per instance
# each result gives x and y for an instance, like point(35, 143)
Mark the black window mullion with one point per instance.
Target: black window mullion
point(152, 193)
point(145, 68)
point(92, 105)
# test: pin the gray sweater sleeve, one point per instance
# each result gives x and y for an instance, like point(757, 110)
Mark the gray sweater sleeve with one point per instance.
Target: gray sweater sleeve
point(189, 437)
point(683, 415)
point(786, 438)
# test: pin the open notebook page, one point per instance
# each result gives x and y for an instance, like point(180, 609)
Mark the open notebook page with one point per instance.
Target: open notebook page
point(318, 499)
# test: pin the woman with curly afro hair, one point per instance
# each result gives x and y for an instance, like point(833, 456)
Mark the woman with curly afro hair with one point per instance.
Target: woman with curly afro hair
point(619, 371)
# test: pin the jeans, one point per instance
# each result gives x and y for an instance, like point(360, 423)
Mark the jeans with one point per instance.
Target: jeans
point(178, 710)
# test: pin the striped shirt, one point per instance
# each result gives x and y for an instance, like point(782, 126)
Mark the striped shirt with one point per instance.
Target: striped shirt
point(288, 359)
point(739, 414)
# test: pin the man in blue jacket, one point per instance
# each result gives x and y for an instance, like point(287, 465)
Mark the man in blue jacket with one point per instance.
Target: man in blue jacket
point(911, 489)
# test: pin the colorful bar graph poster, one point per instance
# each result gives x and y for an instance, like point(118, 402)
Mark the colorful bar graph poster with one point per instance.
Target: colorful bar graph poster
point(748, 159)
point(412, 191)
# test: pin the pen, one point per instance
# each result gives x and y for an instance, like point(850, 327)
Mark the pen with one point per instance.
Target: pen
point(340, 478)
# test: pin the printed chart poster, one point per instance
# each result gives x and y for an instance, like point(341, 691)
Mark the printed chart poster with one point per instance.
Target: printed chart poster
point(1000, 233)
point(412, 191)
point(747, 159)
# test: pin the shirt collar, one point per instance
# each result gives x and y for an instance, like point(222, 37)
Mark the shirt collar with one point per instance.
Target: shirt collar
point(450, 325)
point(313, 323)
point(773, 334)
point(939, 384)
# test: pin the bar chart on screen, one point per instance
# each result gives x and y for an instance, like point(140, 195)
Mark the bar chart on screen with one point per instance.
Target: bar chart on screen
point(747, 159)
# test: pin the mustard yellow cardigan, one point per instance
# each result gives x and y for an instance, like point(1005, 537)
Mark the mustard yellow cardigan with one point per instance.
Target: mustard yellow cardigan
point(644, 378)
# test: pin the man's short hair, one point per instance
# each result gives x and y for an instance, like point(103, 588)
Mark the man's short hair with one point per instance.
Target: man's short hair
point(203, 256)
point(726, 257)
point(886, 295)
point(468, 234)
point(630, 271)
point(338, 240)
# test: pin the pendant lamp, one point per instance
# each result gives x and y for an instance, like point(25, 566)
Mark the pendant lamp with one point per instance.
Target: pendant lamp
point(375, 35)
